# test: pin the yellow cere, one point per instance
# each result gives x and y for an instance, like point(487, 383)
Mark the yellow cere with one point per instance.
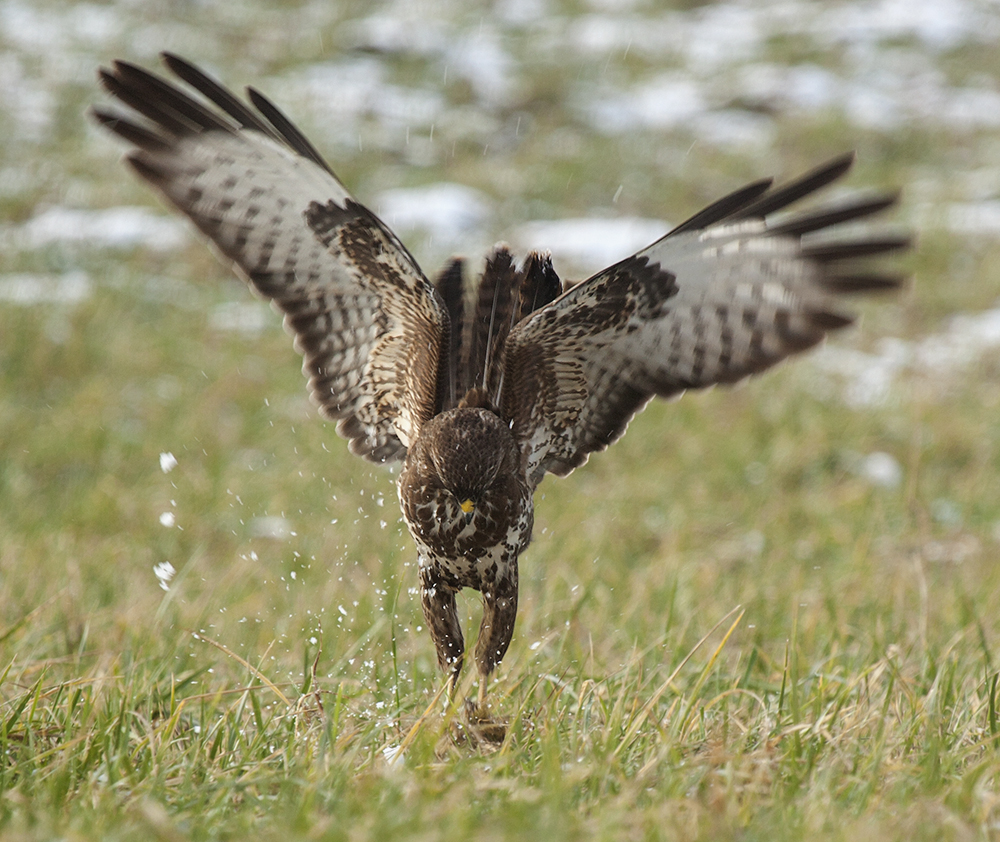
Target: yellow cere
point(468, 506)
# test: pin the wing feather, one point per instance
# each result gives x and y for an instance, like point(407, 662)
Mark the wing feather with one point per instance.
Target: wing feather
point(721, 297)
point(369, 324)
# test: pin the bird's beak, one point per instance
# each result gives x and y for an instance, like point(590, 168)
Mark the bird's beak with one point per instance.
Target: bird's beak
point(469, 508)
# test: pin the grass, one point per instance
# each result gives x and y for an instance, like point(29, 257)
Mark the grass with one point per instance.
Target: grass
point(725, 631)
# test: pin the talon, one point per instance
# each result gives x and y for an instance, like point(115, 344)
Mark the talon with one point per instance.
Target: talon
point(481, 726)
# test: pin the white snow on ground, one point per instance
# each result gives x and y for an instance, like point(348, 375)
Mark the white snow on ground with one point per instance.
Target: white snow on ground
point(973, 217)
point(879, 468)
point(403, 29)
point(482, 61)
point(119, 227)
point(718, 34)
point(938, 24)
point(39, 31)
point(588, 244)
point(719, 49)
point(891, 47)
point(666, 101)
point(29, 289)
point(340, 94)
point(476, 55)
point(28, 99)
point(447, 213)
point(864, 379)
point(882, 91)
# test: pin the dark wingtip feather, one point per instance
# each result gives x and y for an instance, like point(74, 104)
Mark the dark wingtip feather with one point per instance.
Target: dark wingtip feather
point(829, 320)
point(157, 90)
point(178, 113)
point(159, 100)
point(857, 207)
point(812, 181)
point(286, 128)
point(863, 282)
point(106, 78)
point(143, 168)
point(113, 84)
point(126, 129)
point(223, 98)
point(826, 252)
point(724, 208)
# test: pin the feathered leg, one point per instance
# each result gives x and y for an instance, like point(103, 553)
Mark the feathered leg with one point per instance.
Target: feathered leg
point(438, 602)
point(499, 613)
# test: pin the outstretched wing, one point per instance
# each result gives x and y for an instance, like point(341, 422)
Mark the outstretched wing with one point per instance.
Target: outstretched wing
point(724, 295)
point(368, 323)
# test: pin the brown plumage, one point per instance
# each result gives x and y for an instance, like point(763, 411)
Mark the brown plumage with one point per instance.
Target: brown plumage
point(483, 393)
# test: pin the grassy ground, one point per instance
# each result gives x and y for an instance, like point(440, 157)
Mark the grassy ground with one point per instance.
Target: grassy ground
point(725, 630)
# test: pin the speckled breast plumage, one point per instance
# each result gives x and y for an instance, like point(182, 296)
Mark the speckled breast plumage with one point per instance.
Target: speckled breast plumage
point(474, 452)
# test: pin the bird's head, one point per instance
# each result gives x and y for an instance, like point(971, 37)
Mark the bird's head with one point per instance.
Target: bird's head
point(459, 474)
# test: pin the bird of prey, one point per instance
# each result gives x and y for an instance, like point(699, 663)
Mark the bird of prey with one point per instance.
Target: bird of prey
point(482, 395)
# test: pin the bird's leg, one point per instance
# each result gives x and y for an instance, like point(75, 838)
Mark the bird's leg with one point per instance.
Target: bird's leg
point(484, 681)
point(438, 602)
point(499, 612)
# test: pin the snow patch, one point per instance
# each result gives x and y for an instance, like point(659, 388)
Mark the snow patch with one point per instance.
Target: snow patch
point(341, 94)
point(973, 217)
point(589, 243)
point(120, 228)
point(879, 468)
point(866, 379)
point(447, 212)
point(938, 24)
point(485, 65)
point(667, 101)
point(28, 289)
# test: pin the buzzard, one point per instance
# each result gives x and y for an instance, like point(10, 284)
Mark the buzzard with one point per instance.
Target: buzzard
point(482, 395)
